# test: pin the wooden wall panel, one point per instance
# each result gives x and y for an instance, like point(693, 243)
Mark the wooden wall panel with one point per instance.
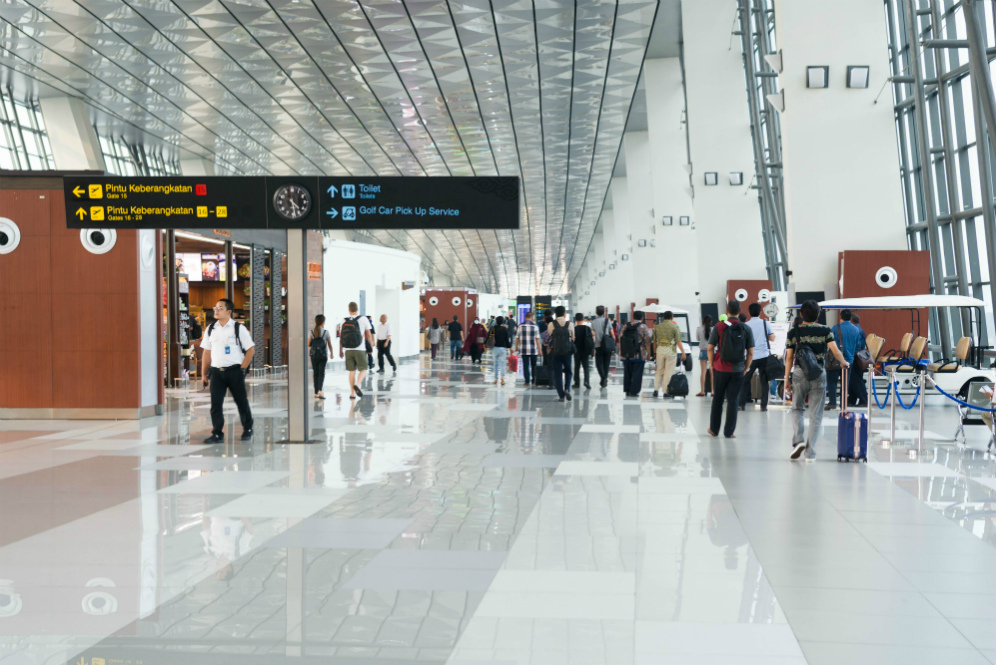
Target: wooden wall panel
point(445, 309)
point(95, 380)
point(752, 286)
point(26, 379)
point(857, 270)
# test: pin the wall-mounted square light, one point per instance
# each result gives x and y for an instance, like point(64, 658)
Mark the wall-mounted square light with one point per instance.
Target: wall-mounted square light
point(711, 179)
point(857, 76)
point(587, 293)
point(625, 257)
point(601, 273)
point(653, 243)
point(593, 282)
point(667, 221)
point(736, 178)
point(817, 76)
point(685, 221)
point(641, 243)
point(612, 266)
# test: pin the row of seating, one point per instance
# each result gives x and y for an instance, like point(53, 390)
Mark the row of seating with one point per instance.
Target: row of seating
point(909, 355)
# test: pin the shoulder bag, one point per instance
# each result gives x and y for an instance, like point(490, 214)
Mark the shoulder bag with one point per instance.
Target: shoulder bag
point(830, 361)
point(608, 341)
point(773, 365)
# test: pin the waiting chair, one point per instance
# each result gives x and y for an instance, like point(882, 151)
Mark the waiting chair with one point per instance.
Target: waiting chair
point(893, 356)
point(963, 350)
point(912, 361)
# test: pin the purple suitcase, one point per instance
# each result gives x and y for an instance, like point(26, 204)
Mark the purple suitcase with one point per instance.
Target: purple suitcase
point(852, 432)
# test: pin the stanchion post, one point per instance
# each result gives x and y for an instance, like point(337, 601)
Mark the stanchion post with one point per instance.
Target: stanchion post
point(892, 409)
point(923, 401)
point(871, 394)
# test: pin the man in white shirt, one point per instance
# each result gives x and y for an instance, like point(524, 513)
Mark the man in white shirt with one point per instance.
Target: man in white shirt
point(763, 336)
point(228, 349)
point(354, 333)
point(384, 345)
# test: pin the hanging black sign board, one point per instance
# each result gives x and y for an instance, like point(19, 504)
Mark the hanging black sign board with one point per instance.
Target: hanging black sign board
point(291, 202)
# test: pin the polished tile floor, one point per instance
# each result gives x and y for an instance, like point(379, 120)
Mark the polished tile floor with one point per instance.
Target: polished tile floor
point(441, 519)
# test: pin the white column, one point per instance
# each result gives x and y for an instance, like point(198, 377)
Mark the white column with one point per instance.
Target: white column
point(198, 166)
point(71, 134)
point(624, 293)
point(841, 164)
point(639, 187)
point(676, 251)
point(727, 219)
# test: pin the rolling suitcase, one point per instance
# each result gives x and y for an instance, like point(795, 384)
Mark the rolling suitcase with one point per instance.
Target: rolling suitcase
point(852, 432)
point(678, 385)
point(541, 375)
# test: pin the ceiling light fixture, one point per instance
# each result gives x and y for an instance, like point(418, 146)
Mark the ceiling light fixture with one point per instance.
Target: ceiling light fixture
point(817, 76)
point(857, 76)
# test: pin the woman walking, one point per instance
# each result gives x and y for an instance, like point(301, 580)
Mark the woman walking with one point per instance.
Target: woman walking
point(702, 337)
point(503, 342)
point(435, 337)
point(474, 344)
point(320, 348)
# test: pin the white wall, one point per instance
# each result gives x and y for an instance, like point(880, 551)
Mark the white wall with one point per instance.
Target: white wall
point(150, 309)
point(727, 219)
point(639, 188)
point(352, 266)
point(842, 187)
point(489, 304)
point(676, 250)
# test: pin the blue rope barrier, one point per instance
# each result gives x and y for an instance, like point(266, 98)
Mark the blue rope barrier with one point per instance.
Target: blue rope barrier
point(959, 401)
point(888, 391)
point(899, 399)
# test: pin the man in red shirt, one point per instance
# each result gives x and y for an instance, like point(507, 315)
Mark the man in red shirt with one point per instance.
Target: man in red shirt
point(728, 362)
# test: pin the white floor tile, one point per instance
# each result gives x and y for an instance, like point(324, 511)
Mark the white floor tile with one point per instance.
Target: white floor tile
point(575, 468)
point(226, 482)
point(273, 505)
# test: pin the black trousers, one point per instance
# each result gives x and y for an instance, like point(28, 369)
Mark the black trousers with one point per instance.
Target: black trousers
point(725, 388)
point(476, 351)
point(560, 373)
point(528, 367)
point(222, 380)
point(384, 349)
point(602, 360)
point(582, 363)
point(319, 377)
point(633, 376)
point(755, 366)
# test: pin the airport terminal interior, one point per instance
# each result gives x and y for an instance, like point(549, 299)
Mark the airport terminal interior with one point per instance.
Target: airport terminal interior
point(518, 332)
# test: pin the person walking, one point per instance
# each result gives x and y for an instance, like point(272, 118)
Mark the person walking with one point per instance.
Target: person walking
point(545, 339)
point(561, 351)
point(763, 336)
point(456, 339)
point(702, 337)
point(634, 349)
point(605, 345)
point(850, 339)
point(477, 334)
point(585, 343)
point(370, 344)
point(228, 350)
point(668, 350)
point(499, 353)
point(816, 338)
point(384, 345)
point(731, 348)
point(435, 337)
point(527, 342)
point(354, 337)
point(320, 348)
point(512, 326)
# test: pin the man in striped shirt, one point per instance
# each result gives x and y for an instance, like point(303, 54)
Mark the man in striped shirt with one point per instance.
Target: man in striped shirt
point(527, 343)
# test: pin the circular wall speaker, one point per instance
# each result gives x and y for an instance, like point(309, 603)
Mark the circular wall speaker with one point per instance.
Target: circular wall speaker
point(99, 603)
point(10, 235)
point(470, 303)
point(886, 277)
point(741, 295)
point(98, 241)
point(10, 601)
point(456, 301)
point(433, 301)
point(764, 295)
point(148, 251)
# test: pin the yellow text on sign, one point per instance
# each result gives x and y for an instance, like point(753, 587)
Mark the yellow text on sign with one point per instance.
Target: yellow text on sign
point(202, 211)
point(221, 211)
point(95, 191)
point(96, 213)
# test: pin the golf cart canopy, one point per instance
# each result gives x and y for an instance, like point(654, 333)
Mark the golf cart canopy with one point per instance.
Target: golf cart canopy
point(900, 302)
point(660, 309)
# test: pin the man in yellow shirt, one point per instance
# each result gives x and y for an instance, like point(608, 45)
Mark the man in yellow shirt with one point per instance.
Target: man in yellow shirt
point(666, 340)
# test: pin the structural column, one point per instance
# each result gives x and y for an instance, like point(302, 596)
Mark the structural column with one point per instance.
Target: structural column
point(71, 134)
point(727, 218)
point(640, 198)
point(839, 154)
point(670, 188)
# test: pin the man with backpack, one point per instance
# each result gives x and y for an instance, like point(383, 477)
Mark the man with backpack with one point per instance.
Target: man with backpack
point(354, 337)
point(605, 344)
point(585, 344)
point(228, 350)
point(561, 353)
point(634, 349)
point(734, 342)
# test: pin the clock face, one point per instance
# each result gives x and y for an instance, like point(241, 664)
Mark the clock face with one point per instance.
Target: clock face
point(771, 310)
point(292, 202)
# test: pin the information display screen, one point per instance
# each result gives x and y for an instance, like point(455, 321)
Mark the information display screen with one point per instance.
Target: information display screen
point(291, 202)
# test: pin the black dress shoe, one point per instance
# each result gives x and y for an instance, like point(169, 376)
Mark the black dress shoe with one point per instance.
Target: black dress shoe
point(215, 438)
point(246, 435)
point(568, 396)
point(587, 386)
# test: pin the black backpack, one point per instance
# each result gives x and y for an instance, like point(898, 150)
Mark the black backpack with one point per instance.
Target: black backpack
point(349, 333)
point(583, 339)
point(733, 345)
point(318, 350)
point(560, 340)
point(629, 342)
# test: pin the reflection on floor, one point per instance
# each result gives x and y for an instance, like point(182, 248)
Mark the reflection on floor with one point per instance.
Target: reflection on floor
point(443, 519)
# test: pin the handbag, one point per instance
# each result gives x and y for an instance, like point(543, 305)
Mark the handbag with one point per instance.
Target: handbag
point(830, 361)
point(773, 365)
point(608, 341)
point(863, 360)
